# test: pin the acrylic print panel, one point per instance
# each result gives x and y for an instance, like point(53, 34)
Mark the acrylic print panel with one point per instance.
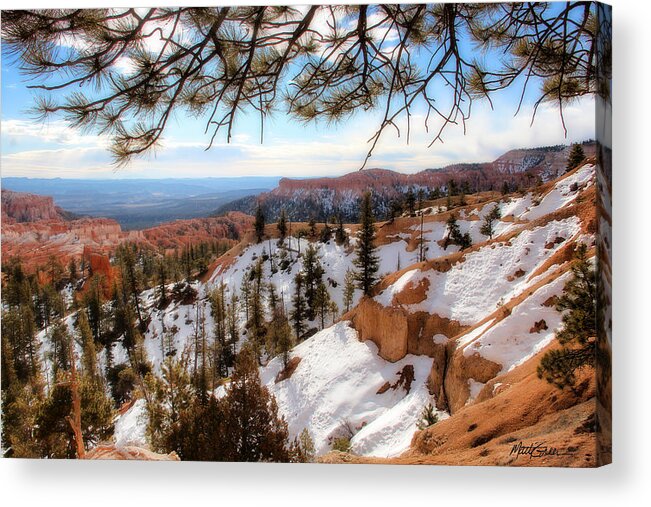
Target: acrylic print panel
point(334, 234)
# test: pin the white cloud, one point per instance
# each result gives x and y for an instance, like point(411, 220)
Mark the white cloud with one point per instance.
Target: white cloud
point(336, 151)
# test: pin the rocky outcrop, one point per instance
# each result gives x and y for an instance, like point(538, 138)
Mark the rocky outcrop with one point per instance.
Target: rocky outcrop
point(128, 452)
point(397, 332)
point(19, 207)
point(34, 230)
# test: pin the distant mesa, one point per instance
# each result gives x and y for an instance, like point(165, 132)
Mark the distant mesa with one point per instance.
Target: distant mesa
point(19, 207)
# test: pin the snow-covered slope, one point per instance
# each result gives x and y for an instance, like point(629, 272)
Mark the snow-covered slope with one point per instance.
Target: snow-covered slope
point(335, 388)
point(339, 387)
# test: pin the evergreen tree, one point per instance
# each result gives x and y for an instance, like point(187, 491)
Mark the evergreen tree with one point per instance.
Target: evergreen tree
point(577, 337)
point(428, 417)
point(61, 346)
point(259, 224)
point(366, 262)
point(72, 270)
point(279, 335)
point(256, 322)
point(168, 397)
point(326, 233)
point(410, 201)
point(162, 283)
point(576, 156)
point(340, 235)
point(89, 352)
point(453, 189)
point(395, 210)
point(349, 289)
point(256, 432)
point(312, 228)
point(322, 302)
point(299, 312)
point(488, 227)
point(505, 188)
point(94, 302)
point(454, 236)
point(282, 225)
point(221, 349)
point(312, 276)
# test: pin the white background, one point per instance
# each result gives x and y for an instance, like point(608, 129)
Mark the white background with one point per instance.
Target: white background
point(626, 482)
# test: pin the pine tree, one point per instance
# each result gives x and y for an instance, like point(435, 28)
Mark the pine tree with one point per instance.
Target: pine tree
point(395, 210)
point(410, 201)
point(576, 156)
point(168, 397)
point(60, 340)
point(279, 336)
point(340, 235)
point(428, 417)
point(72, 270)
point(577, 337)
point(505, 188)
point(220, 338)
point(326, 233)
point(256, 322)
point(256, 432)
point(452, 188)
point(259, 224)
point(322, 302)
point(299, 312)
point(488, 227)
point(366, 262)
point(349, 289)
point(162, 283)
point(312, 228)
point(312, 276)
point(282, 225)
point(454, 236)
point(89, 352)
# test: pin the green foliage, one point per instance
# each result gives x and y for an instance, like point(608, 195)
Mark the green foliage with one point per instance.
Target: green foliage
point(299, 312)
point(168, 397)
point(366, 260)
point(340, 234)
point(52, 429)
point(322, 302)
point(243, 425)
point(410, 202)
point(282, 225)
point(428, 417)
point(454, 236)
point(341, 444)
point(349, 289)
point(122, 380)
point(488, 227)
point(579, 331)
point(303, 450)
point(312, 278)
point(576, 156)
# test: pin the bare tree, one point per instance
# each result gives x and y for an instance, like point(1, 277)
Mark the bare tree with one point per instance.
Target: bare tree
point(125, 72)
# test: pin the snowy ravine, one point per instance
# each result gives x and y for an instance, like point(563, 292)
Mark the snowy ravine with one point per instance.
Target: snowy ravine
point(335, 385)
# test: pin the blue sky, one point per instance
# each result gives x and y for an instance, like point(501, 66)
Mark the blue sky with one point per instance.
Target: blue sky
point(33, 149)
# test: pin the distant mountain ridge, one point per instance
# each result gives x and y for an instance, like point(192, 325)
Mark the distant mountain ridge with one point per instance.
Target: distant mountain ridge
point(142, 203)
point(324, 197)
